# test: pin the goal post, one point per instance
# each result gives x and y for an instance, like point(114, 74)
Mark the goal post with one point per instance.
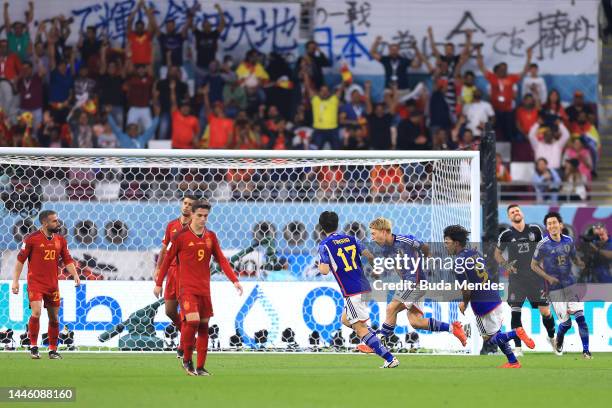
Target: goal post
point(115, 204)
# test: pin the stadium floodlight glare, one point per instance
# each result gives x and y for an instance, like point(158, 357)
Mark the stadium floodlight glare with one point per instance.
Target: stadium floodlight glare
point(115, 203)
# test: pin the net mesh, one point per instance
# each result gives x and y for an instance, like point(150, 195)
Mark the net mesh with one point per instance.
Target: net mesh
point(114, 211)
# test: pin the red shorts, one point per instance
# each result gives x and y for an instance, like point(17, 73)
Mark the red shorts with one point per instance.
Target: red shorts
point(49, 298)
point(171, 290)
point(196, 304)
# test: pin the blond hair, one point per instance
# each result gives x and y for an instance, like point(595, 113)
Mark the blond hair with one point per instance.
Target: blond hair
point(382, 224)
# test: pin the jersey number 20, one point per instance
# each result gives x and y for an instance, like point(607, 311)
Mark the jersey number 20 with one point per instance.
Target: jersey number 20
point(352, 249)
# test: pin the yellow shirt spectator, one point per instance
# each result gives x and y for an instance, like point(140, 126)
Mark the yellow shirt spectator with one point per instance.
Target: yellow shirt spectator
point(325, 112)
point(251, 75)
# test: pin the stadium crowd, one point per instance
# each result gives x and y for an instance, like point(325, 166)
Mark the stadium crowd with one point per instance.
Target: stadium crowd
point(170, 83)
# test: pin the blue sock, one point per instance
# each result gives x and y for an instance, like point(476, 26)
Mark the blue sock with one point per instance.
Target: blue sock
point(387, 329)
point(371, 340)
point(436, 325)
point(501, 340)
point(583, 329)
point(562, 329)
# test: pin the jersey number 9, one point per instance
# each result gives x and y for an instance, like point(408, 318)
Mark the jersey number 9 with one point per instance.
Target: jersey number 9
point(201, 254)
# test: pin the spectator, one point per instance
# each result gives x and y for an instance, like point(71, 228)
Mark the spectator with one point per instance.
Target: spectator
point(577, 149)
point(172, 42)
point(396, 66)
point(104, 135)
point(355, 138)
point(578, 105)
point(139, 93)
point(313, 63)
point(546, 182)
point(133, 138)
point(279, 93)
point(23, 132)
point(61, 85)
point(18, 34)
point(352, 115)
point(234, 97)
point(243, 136)
point(185, 127)
point(586, 131)
point(252, 76)
point(439, 109)
point(468, 87)
point(9, 73)
point(527, 114)
point(478, 113)
point(110, 86)
point(441, 141)
point(89, 46)
point(206, 41)
point(379, 120)
point(574, 183)
point(82, 132)
point(40, 60)
point(164, 89)
point(602, 246)
point(325, 115)
point(534, 84)
point(84, 86)
point(501, 170)
point(215, 79)
point(6, 138)
point(140, 42)
point(58, 34)
point(220, 128)
point(548, 142)
point(52, 134)
point(30, 90)
point(553, 108)
point(502, 93)
point(281, 138)
point(411, 135)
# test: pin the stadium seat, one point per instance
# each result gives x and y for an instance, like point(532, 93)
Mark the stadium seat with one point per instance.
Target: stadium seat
point(521, 171)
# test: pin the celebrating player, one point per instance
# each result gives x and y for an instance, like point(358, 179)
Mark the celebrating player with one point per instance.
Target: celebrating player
point(43, 250)
point(170, 292)
point(340, 254)
point(391, 245)
point(470, 268)
point(552, 260)
point(520, 241)
point(192, 248)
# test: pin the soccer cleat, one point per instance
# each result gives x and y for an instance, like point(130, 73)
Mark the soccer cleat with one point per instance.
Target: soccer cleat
point(188, 367)
point(558, 347)
point(34, 353)
point(511, 365)
point(551, 341)
point(520, 332)
point(459, 333)
point(54, 355)
point(202, 372)
point(391, 364)
point(587, 355)
point(179, 353)
point(518, 351)
point(364, 348)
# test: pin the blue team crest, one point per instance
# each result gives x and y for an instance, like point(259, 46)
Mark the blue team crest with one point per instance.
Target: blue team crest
point(566, 247)
point(531, 236)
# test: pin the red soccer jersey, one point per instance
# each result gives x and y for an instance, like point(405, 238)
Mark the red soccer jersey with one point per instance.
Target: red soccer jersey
point(43, 256)
point(193, 254)
point(172, 228)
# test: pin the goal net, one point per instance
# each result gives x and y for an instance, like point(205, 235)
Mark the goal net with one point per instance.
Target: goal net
point(114, 206)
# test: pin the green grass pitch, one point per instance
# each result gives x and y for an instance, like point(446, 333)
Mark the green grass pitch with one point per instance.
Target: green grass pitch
point(307, 380)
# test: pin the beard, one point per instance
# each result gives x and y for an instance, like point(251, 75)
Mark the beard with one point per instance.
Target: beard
point(54, 230)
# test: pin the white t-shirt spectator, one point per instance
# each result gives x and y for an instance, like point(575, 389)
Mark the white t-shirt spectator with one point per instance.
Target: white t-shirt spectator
point(540, 85)
point(552, 152)
point(477, 113)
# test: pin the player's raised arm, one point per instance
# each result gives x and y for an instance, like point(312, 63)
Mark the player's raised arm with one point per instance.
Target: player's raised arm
point(225, 265)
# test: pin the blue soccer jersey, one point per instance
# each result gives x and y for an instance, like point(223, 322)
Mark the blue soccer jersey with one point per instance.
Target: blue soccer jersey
point(470, 267)
point(343, 255)
point(403, 248)
point(556, 258)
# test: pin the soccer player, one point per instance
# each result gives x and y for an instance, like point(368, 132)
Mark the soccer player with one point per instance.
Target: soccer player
point(170, 292)
point(43, 250)
point(192, 248)
point(391, 245)
point(470, 268)
point(520, 241)
point(552, 260)
point(340, 254)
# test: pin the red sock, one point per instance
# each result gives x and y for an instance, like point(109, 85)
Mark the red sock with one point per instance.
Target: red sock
point(202, 344)
point(33, 328)
point(188, 338)
point(53, 334)
point(177, 324)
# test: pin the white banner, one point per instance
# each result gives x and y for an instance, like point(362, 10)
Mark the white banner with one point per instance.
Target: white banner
point(98, 306)
point(263, 26)
point(563, 32)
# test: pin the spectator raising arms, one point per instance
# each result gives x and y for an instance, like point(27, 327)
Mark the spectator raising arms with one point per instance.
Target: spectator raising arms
point(548, 142)
point(140, 41)
point(185, 127)
point(133, 138)
point(325, 114)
